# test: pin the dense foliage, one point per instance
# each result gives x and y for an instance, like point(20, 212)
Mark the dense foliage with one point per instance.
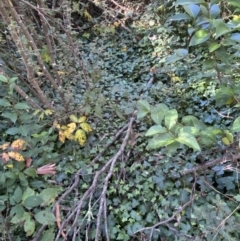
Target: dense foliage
point(120, 120)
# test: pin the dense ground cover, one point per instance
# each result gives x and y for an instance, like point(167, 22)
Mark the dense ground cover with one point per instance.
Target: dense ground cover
point(138, 137)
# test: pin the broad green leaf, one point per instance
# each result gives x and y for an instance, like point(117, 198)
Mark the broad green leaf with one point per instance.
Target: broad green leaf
point(29, 226)
point(171, 118)
point(12, 80)
point(172, 58)
point(235, 3)
point(22, 106)
point(73, 118)
point(236, 125)
point(214, 46)
point(12, 131)
point(31, 172)
point(214, 11)
point(24, 130)
point(143, 108)
point(10, 115)
point(187, 2)
point(226, 141)
point(189, 140)
point(45, 217)
point(32, 201)
point(179, 17)
point(181, 52)
point(27, 193)
point(229, 135)
point(172, 148)
point(48, 195)
point(235, 37)
point(160, 140)
point(48, 235)
point(17, 195)
point(158, 112)
point(221, 29)
point(3, 78)
point(192, 9)
point(5, 103)
point(156, 129)
point(199, 37)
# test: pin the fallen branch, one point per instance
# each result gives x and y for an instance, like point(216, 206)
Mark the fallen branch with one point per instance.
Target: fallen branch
point(109, 165)
point(165, 222)
point(225, 158)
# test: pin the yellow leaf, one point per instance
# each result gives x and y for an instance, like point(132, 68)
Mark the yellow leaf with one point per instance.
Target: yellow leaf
point(61, 136)
point(81, 137)
point(5, 146)
point(229, 101)
point(16, 156)
point(55, 124)
point(18, 145)
point(86, 127)
point(225, 141)
point(10, 166)
point(71, 127)
point(73, 118)
point(82, 119)
point(64, 128)
point(69, 135)
point(48, 112)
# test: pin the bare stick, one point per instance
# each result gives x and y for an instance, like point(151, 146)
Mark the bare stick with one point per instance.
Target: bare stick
point(5, 227)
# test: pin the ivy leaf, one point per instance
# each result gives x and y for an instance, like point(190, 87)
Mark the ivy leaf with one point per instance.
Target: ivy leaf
point(156, 129)
point(171, 118)
point(236, 125)
point(192, 9)
point(189, 140)
point(160, 140)
point(199, 37)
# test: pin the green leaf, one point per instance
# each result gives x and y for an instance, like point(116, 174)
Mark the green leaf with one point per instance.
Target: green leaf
point(160, 140)
point(49, 195)
point(221, 29)
point(235, 37)
point(5, 103)
point(199, 37)
point(45, 217)
point(172, 58)
point(27, 193)
point(192, 9)
point(158, 112)
point(214, 11)
point(31, 172)
point(179, 17)
point(214, 46)
point(48, 235)
point(22, 106)
point(235, 3)
point(187, 2)
point(236, 125)
point(143, 108)
point(17, 195)
point(12, 131)
point(3, 78)
point(10, 115)
point(24, 130)
point(189, 140)
point(181, 52)
point(32, 201)
point(156, 129)
point(171, 118)
point(29, 226)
